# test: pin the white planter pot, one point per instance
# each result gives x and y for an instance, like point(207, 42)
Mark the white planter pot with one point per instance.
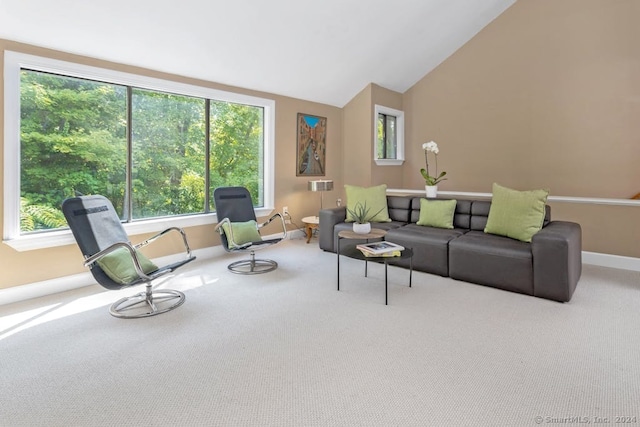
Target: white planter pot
point(432, 190)
point(362, 228)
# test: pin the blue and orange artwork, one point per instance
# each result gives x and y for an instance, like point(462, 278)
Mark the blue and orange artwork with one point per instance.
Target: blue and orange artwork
point(312, 131)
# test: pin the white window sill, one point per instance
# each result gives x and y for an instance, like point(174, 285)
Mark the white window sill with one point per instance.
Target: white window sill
point(30, 242)
point(389, 162)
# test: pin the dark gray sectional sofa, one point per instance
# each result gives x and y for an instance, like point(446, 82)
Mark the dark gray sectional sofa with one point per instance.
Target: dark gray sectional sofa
point(548, 267)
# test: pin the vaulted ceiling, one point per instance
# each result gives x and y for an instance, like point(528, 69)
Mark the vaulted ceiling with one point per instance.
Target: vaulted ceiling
point(325, 51)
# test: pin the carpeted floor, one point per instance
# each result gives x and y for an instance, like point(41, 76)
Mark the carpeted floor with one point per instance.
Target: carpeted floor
point(287, 349)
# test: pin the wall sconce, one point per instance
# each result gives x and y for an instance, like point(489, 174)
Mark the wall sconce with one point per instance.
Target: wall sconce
point(320, 185)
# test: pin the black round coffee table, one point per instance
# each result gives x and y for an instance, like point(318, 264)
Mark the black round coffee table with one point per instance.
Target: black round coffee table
point(351, 251)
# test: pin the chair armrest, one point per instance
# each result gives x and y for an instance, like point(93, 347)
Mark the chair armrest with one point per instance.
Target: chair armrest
point(557, 260)
point(273, 217)
point(163, 233)
point(328, 218)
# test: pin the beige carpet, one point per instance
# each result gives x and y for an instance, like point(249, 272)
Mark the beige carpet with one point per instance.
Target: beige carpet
point(287, 349)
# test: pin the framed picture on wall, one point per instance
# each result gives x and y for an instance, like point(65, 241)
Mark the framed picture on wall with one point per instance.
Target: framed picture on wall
point(311, 145)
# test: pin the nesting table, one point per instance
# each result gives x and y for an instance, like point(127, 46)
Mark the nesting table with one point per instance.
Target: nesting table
point(352, 252)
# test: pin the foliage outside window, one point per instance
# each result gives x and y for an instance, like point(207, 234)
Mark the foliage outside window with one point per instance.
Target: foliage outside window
point(72, 139)
point(387, 141)
point(153, 153)
point(168, 154)
point(388, 136)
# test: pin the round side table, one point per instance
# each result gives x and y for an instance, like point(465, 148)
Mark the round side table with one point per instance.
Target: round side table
point(311, 223)
point(375, 233)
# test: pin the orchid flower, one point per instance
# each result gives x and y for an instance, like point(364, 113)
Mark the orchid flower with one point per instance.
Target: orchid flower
point(431, 147)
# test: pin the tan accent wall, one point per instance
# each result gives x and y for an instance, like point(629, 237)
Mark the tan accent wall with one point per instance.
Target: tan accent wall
point(390, 175)
point(546, 96)
point(38, 265)
point(356, 139)
point(358, 149)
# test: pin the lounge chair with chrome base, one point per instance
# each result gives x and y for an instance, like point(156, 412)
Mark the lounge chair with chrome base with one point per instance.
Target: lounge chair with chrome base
point(240, 231)
point(115, 262)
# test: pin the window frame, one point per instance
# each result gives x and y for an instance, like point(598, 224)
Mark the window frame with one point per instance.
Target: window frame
point(15, 61)
point(399, 115)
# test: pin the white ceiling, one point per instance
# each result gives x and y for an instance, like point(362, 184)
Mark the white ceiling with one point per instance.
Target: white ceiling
point(323, 51)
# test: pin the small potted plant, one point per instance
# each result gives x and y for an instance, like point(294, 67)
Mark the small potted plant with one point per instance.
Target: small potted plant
point(360, 214)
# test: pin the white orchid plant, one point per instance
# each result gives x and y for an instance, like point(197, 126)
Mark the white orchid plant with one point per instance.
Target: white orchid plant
point(429, 179)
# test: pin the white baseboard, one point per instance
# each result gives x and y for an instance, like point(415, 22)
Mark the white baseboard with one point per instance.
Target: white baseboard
point(46, 287)
point(613, 261)
point(75, 281)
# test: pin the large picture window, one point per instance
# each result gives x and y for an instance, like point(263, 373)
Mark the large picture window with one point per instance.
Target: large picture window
point(156, 149)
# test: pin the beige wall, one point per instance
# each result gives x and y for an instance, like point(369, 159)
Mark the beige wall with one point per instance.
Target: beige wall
point(358, 134)
point(546, 96)
point(356, 139)
point(32, 266)
point(390, 175)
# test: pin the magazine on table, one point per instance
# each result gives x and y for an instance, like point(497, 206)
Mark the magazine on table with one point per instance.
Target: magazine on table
point(383, 255)
point(378, 248)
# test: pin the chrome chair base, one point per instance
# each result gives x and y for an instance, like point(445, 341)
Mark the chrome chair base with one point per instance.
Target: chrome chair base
point(147, 304)
point(252, 266)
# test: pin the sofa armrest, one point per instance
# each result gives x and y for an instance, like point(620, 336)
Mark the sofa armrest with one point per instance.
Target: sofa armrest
point(328, 219)
point(557, 260)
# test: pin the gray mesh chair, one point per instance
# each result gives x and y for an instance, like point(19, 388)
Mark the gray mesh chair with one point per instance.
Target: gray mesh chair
point(98, 232)
point(234, 205)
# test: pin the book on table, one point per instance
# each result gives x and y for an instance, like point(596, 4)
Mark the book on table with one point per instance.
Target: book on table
point(379, 248)
point(383, 255)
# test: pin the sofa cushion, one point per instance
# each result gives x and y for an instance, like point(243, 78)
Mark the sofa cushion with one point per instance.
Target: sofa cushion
point(375, 199)
point(462, 217)
point(430, 246)
point(399, 208)
point(437, 213)
point(492, 260)
point(516, 214)
point(479, 214)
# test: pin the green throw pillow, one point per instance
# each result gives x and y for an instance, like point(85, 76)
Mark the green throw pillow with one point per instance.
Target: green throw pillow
point(243, 232)
point(437, 213)
point(516, 214)
point(374, 197)
point(118, 265)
